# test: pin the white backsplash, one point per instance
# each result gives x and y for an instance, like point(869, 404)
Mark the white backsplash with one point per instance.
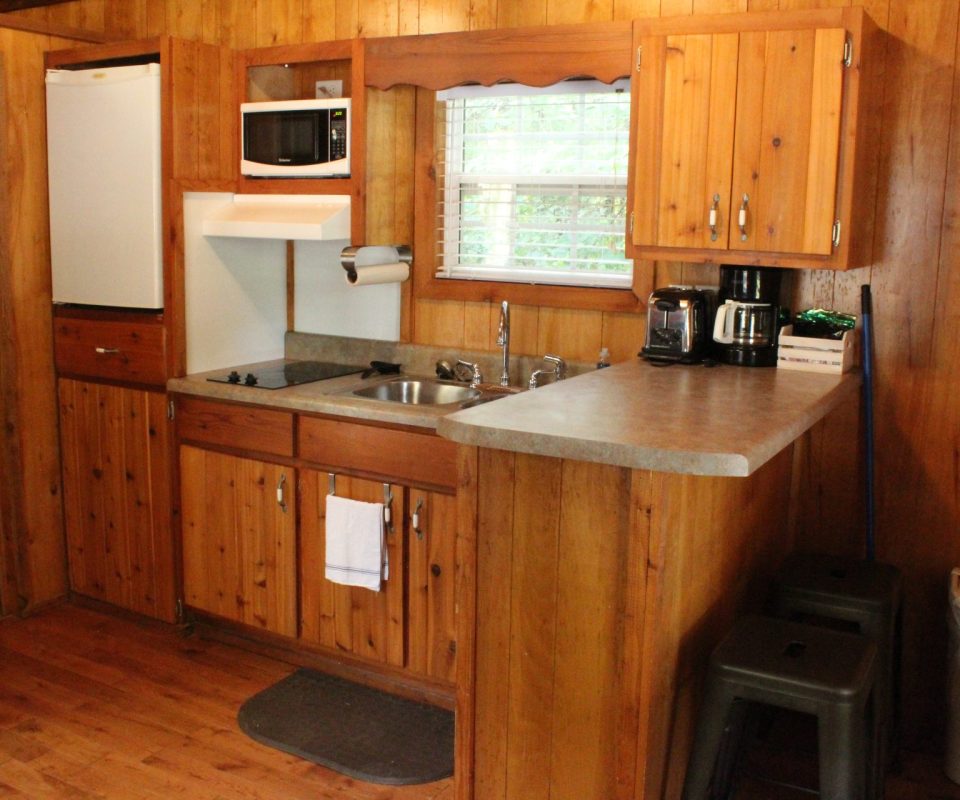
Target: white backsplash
point(236, 293)
point(327, 304)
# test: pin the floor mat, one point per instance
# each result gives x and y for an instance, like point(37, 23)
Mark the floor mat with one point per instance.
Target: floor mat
point(353, 729)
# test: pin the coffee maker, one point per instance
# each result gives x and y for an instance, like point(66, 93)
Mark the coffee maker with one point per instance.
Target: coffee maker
point(747, 323)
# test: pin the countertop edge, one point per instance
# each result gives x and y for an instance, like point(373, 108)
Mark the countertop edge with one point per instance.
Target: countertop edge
point(633, 456)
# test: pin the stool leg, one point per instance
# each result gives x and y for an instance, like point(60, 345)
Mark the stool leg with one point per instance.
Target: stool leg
point(714, 711)
point(842, 756)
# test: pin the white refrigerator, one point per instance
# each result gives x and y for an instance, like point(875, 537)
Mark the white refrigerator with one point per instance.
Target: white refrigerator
point(103, 157)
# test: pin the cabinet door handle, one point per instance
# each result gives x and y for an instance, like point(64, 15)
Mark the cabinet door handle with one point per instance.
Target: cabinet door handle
point(415, 518)
point(713, 218)
point(106, 351)
point(742, 218)
point(281, 487)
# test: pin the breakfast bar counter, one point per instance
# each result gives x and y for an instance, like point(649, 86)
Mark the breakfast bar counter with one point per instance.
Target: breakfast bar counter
point(610, 529)
point(687, 419)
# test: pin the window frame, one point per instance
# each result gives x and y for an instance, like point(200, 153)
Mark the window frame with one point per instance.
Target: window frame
point(428, 286)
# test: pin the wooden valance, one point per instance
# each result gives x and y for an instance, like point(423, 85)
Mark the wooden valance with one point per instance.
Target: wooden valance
point(536, 56)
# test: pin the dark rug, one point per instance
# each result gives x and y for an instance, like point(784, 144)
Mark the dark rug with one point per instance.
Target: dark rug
point(353, 729)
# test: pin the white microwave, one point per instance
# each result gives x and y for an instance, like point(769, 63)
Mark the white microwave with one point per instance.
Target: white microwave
point(296, 138)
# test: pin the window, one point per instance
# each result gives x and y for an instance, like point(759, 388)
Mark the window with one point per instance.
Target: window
point(533, 185)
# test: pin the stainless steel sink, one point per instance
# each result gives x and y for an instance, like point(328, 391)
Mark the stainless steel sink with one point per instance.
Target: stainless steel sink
point(419, 392)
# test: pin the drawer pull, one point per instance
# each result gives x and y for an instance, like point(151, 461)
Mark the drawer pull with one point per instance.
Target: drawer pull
point(415, 518)
point(107, 351)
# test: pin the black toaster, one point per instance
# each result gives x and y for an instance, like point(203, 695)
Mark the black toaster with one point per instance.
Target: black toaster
point(679, 321)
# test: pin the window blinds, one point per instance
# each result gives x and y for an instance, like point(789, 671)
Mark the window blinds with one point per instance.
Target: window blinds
point(532, 183)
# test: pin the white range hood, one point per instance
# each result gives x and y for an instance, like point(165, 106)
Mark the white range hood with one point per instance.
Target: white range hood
point(304, 217)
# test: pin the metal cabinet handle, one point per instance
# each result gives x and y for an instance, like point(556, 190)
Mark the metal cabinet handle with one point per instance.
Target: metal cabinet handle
point(742, 218)
point(415, 518)
point(107, 351)
point(281, 499)
point(713, 218)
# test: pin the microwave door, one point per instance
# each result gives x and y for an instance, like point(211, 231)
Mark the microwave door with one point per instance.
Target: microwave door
point(303, 139)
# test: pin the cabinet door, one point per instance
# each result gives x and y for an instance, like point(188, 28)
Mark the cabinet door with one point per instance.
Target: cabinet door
point(115, 445)
point(789, 92)
point(731, 124)
point(239, 539)
point(431, 623)
point(353, 620)
point(685, 101)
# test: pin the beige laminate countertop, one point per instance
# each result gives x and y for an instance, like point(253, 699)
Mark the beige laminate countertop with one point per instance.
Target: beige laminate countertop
point(687, 419)
point(334, 396)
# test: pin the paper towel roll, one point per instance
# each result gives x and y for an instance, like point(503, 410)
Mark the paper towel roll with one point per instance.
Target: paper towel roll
point(380, 273)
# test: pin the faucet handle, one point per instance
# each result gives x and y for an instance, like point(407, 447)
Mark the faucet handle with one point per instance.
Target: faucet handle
point(559, 366)
point(476, 377)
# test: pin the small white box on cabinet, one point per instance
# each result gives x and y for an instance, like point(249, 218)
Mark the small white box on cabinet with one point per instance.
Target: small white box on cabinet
point(816, 355)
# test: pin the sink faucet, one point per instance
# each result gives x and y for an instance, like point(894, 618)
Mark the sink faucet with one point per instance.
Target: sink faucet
point(503, 339)
point(559, 371)
point(476, 377)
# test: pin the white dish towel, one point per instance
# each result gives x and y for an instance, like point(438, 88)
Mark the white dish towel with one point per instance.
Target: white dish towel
point(356, 552)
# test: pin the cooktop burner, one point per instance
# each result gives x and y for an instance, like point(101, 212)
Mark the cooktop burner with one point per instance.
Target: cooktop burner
point(280, 374)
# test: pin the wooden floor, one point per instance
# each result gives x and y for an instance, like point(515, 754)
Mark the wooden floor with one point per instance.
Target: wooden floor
point(93, 706)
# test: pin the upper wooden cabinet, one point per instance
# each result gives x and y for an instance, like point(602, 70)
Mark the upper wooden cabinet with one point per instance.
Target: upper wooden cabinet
point(747, 140)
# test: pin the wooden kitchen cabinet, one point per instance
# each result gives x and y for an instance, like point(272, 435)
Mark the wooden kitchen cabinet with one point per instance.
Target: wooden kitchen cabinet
point(350, 619)
point(115, 444)
point(431, 605)
point(746, 144)
point(239, 539)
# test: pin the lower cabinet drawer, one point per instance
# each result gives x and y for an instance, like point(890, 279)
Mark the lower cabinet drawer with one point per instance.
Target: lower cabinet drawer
point(125, 350)
point(413, 458)
point(264, 430)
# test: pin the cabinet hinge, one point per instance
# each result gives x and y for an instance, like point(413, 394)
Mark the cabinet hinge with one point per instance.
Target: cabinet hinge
point(848, 53)
point(170, 410)
point(836, 233)
point(639, 56)
point(179, 611)
point(631, 224)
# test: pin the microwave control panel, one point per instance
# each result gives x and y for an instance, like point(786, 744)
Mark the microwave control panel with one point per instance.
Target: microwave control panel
point(338, 133)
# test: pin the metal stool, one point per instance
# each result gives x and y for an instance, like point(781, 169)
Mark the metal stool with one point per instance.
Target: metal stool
point(866, 595)
point(818, 671)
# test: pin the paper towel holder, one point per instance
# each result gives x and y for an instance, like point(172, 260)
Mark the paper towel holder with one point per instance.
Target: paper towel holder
point(348, 257)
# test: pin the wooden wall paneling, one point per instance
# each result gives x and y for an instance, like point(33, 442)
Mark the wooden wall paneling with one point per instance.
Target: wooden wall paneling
point(919, 82)
point(635, 9)
point(318, 20)
point(31, 432)
point(378, 18)
point(573, 334)
point(594, 541)
point(519, 13)
point(533, 625)
point(623, 335)
point(563, 12)
point(237, 26)
point(279, 22)
point(712, 548)
point(438, 322)
point(183, 19)
point(494, 477)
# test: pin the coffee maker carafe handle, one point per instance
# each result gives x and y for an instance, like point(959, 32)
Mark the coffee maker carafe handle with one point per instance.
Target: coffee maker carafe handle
point(720, 332)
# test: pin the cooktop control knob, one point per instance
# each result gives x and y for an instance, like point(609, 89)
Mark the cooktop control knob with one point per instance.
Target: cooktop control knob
point(250, 380)
point(233, 377)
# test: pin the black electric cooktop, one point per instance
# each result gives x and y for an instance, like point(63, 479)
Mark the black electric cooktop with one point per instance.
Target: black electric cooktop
point(280, 374)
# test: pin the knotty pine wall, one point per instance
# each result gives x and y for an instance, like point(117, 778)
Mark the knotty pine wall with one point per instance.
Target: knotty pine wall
point(916, 277)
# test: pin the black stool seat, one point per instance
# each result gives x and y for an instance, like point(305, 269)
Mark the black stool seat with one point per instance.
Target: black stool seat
point(818, 671)
point(848, 587)
point(868, 596)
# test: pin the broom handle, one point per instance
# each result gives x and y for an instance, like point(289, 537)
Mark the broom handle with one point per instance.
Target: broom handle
point(866, 307)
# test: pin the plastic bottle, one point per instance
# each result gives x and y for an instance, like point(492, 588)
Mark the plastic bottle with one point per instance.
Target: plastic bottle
point(604, 360)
